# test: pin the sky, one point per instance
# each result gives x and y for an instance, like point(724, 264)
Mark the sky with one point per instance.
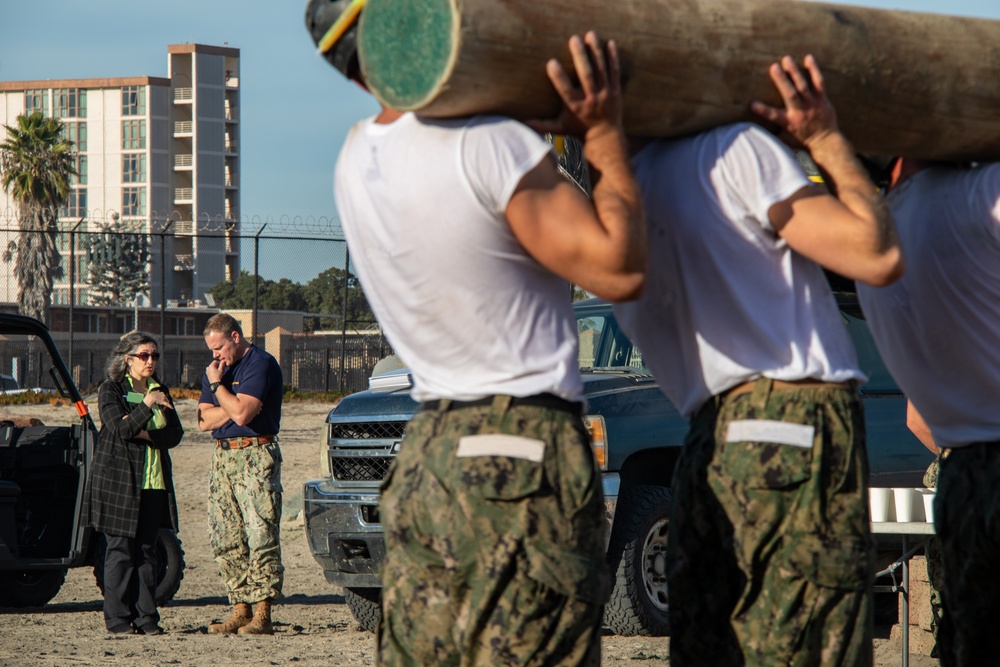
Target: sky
point(296, 109)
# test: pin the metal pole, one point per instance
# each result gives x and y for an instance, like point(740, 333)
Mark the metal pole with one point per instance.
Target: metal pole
point(163, 287)
point(72, 290)
point(343, 322)
point(256, 278)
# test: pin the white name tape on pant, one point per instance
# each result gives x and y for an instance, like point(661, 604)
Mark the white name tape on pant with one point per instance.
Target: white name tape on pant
point(767, 430)
point(499, 444)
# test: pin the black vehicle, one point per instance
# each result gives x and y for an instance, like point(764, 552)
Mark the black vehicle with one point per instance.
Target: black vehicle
point(636, 434)
point(44, 478)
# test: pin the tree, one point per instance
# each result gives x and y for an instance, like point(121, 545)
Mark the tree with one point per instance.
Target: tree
point(281, 295)
point(118, 257)
point(36, 163)
point(325, 294)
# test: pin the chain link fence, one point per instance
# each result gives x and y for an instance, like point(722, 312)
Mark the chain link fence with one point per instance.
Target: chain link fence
point(288, 281)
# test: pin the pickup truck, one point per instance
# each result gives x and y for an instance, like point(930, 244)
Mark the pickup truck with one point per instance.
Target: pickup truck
point(636, 434)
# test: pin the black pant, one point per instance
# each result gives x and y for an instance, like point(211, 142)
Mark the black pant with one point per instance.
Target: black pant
point(130, 567)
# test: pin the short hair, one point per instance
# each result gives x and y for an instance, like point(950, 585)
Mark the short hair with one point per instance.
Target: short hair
point(223, 323)
point(116, 366)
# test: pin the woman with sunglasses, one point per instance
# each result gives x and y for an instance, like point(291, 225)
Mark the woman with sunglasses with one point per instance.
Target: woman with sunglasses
point(132, 491)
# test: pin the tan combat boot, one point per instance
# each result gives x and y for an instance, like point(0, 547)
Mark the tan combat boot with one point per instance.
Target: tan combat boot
point(261, 623)
point(240, 617)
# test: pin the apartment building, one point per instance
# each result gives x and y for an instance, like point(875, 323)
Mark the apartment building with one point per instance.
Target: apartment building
point(160, 154)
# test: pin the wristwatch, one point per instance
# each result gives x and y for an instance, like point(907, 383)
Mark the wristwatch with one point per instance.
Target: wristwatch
point(214, 387)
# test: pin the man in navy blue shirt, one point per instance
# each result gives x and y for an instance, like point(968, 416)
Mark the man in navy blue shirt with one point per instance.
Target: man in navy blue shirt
point(240, 404)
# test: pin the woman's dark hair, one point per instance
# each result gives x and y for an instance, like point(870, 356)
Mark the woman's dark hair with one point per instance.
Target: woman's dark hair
point(117, 365)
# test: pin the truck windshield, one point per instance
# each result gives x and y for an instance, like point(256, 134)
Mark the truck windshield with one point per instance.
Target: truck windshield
point(603, 344)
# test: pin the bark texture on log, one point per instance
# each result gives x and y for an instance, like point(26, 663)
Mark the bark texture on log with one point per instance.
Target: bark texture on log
point(903, 83)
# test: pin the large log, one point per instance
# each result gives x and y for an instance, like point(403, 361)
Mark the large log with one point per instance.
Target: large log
point(903, 83)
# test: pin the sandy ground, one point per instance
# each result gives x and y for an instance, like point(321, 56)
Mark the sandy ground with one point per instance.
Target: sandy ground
point(313, 625)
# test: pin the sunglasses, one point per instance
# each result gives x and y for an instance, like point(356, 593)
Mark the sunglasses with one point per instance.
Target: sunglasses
point(146, 356)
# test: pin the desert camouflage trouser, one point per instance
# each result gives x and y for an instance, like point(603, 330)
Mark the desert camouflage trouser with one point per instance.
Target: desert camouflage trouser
point(967, 523)
point(244, 517)
point(495, 535)
point(770, 556)
point(933, 555)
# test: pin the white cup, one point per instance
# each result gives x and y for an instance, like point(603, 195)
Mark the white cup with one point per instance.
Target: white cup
point(879, 503)
point(904, 504)
point(928, 496)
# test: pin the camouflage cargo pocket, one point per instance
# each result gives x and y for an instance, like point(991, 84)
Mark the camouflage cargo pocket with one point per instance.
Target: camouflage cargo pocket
point(567, 572)
point(500, 467)
point(766, 454)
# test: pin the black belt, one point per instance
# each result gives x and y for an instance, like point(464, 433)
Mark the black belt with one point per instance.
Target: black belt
point(549, 401)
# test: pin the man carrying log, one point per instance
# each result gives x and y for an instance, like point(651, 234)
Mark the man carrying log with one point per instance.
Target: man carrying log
point(938, 330)
point(770, 556)
point(464, 236)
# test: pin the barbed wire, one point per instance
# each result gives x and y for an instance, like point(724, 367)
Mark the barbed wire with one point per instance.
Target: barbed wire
point(175, 222)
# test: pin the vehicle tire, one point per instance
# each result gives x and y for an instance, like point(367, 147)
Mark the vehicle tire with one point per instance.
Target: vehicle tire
point(169, 564)
point(365, 604)
point(30, 588)
point(639, 603)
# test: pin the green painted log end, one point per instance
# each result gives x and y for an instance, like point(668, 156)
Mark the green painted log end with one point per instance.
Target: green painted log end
point(407, 49)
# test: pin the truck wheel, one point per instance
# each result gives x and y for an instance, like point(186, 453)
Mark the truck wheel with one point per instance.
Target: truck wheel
point(639, 602)
point(365, 605)
point(169, 564)
point(30, 588)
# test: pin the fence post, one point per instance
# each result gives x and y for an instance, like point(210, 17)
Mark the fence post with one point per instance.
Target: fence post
point(163, 287)
point(343, 321)
point(256, 278)
point(72, 290)
point(326, 369)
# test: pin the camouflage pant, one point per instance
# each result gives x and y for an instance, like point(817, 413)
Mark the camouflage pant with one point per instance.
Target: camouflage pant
point(244, 515)
point(495, 534)
point(967, 522)
point(933, 554)
point(770, 555)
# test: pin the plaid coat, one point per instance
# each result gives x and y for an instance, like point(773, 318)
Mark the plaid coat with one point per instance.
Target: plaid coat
point(120, 458)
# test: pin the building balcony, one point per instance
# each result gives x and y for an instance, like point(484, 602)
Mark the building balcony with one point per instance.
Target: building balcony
point(183, 227)
point(233, 82)
point(183, 195)
point(183, 128)
point(183, 95)
point(232, 147)
point(183, 162)
point(183, 262)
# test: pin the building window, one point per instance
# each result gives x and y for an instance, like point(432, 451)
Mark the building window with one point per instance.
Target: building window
point(36, 100)
point(134, 101)
point(97, 323)
point(70, 103)
point(77, 133)
point(133, 134)
point(76, 204)
point(134, 168)
point(80, 163)
point(133, 201)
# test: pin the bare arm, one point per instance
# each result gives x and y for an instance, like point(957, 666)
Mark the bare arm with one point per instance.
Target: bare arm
point(599, 244)
point(211, 417)
point(849, 231)
point(915, 422)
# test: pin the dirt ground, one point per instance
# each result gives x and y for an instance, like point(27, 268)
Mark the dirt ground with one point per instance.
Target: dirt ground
point(313, 625)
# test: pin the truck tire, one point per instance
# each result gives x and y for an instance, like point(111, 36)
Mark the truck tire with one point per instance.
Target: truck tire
point(169, 564)
point(365, 603)
point(639, 602)
point(30, 588)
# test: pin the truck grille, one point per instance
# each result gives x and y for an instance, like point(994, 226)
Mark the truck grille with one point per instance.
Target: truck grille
point(360, 468)
point(367, 431)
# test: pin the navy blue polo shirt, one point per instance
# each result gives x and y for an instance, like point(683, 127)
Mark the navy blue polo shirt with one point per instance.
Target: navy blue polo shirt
point(256, 374)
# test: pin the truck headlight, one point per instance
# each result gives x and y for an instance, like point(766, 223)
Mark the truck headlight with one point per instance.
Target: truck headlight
point(598, 439)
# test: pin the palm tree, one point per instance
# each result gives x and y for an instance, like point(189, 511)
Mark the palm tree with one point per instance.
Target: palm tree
point(36, 162)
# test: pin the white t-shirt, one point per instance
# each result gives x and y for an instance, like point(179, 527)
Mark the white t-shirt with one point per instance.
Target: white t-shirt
point(422, 205)
point(726, 299)
point(938, 327)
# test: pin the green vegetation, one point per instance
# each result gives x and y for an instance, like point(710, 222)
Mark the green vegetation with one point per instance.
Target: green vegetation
point(36, 163)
